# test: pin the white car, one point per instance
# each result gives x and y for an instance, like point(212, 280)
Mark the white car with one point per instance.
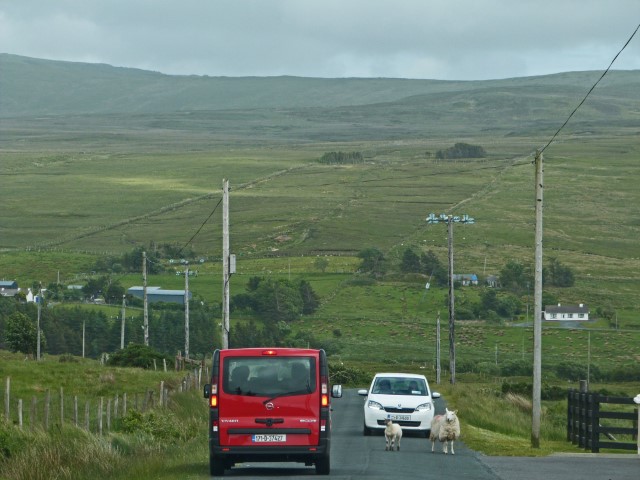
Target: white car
point(405, 398)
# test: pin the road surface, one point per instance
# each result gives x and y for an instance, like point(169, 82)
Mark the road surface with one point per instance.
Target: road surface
point(354, 456)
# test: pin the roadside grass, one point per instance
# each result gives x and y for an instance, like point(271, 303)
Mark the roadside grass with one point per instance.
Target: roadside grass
point(137, 446)
point(166, 443)
point(496, 424)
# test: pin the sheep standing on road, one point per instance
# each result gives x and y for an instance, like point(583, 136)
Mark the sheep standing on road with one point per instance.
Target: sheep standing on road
point(392, 434)
point(445, 428)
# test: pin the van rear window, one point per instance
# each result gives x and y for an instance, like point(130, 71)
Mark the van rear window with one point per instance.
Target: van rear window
point(269, 376)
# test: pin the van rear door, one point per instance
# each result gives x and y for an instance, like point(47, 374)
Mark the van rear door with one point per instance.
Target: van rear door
point(269, 398)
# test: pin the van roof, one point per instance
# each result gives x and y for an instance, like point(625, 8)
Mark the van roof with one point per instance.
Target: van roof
point(259, 351)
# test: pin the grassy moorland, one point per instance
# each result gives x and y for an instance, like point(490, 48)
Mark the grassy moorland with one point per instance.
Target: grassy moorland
point(101, 173)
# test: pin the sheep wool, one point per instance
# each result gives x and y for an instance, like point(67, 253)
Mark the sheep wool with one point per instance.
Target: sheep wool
point(392, 434)
point(445, 428)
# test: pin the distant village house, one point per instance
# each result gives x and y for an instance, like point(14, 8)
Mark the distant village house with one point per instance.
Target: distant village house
point(566, 312)
point(466, 279)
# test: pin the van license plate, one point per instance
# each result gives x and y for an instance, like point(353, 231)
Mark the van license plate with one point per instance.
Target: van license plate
point(268, 438)
point(400, 417)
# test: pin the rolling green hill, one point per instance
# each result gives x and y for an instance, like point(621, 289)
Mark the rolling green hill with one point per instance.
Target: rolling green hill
point(97, 160)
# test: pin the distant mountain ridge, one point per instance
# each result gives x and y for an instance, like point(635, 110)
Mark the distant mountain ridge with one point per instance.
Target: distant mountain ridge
point(31, 87)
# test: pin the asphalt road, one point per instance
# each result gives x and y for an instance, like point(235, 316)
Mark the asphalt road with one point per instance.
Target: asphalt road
point(354, 456)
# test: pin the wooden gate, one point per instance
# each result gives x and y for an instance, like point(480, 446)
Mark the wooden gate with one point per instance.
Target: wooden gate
point(586, 414)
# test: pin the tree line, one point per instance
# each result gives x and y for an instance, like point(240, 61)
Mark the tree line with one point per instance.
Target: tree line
point(461, 150)
point(494, 304)
point(342, 158)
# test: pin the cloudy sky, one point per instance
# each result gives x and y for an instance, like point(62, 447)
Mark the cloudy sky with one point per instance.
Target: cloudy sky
point(437, 39)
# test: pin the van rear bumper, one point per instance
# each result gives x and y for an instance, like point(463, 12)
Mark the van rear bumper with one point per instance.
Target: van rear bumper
point(237, 454)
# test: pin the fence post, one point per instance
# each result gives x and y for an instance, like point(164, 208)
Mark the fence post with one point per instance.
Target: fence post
point(581, 419)
point(108, 415)
point(570, 417)
point(61, 407)
point(86, 416)
point(124, 404)
point(34, 402)
point(160, 399)
point(20, 413)
point(636, 400)
point(100, 408)
point(75, 411)
point(47, 405)
point(7, 397)
point(595, 422)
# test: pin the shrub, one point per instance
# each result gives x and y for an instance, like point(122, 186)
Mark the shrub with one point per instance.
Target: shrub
point(348, 376)
point(163, 427)
point(135, 355)
point(517, 368)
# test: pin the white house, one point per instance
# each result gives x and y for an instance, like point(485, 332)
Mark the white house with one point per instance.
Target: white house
point(563, 313)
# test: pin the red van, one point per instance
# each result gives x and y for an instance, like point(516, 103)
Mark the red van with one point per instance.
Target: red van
point(269, 405)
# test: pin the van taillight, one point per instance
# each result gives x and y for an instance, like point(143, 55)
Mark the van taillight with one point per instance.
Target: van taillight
point(213, 399)
point(269, 352)
point(324, 390)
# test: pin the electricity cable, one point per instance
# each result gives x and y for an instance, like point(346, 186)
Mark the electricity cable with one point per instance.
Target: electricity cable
point(201, 227)
point(590, 90)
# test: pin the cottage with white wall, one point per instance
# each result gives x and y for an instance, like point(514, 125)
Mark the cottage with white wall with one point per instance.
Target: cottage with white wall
point(563, 313)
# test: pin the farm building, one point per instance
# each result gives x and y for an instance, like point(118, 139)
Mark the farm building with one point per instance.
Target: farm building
point(466, 279)
point(157, 294)
point(8, 288)
point(566, 312)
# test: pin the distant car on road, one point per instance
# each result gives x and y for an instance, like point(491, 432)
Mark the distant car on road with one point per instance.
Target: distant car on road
point(405, 398)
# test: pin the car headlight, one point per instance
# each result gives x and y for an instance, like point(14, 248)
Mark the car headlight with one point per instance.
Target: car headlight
point(425, 407)
point(375, 405)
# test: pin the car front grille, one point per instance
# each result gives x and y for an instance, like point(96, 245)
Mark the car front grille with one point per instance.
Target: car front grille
point(398, 410)
point(402, 423)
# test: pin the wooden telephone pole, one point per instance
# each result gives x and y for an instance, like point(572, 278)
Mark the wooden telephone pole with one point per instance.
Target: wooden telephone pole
point(145, 301)
point(537, 308)
point(122, 324)
point(186, 312)
point(225, 264)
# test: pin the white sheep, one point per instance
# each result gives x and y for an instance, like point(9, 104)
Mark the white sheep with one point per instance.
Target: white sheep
point(392, 434)
point(445, 428)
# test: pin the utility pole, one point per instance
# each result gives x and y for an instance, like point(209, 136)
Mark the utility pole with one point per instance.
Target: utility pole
point(452, 333)
point(537, 307)
point(124, 316)
point(145, 308)
point(38, 325)
point(438, 369)
point(450, 219)
point(225, 263)
point(186, 312)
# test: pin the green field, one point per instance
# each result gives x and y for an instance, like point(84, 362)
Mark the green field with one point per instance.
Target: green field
point(100, 173)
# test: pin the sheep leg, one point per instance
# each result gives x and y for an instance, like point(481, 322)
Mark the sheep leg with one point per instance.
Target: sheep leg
point(452, 452)
point(444, 447)
point(398, 444)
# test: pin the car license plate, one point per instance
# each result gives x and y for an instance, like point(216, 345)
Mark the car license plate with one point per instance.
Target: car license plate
point(268, 438)
point(400, 417)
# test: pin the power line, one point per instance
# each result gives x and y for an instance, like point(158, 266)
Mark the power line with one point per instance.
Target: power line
point(201, 227)
point(590, 90)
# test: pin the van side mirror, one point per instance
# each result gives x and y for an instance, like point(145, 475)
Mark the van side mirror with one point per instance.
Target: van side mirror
point(336, 391)
point(207, 390)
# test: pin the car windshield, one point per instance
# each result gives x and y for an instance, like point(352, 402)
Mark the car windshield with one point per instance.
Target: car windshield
point(269, 376)
point(399, 386)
